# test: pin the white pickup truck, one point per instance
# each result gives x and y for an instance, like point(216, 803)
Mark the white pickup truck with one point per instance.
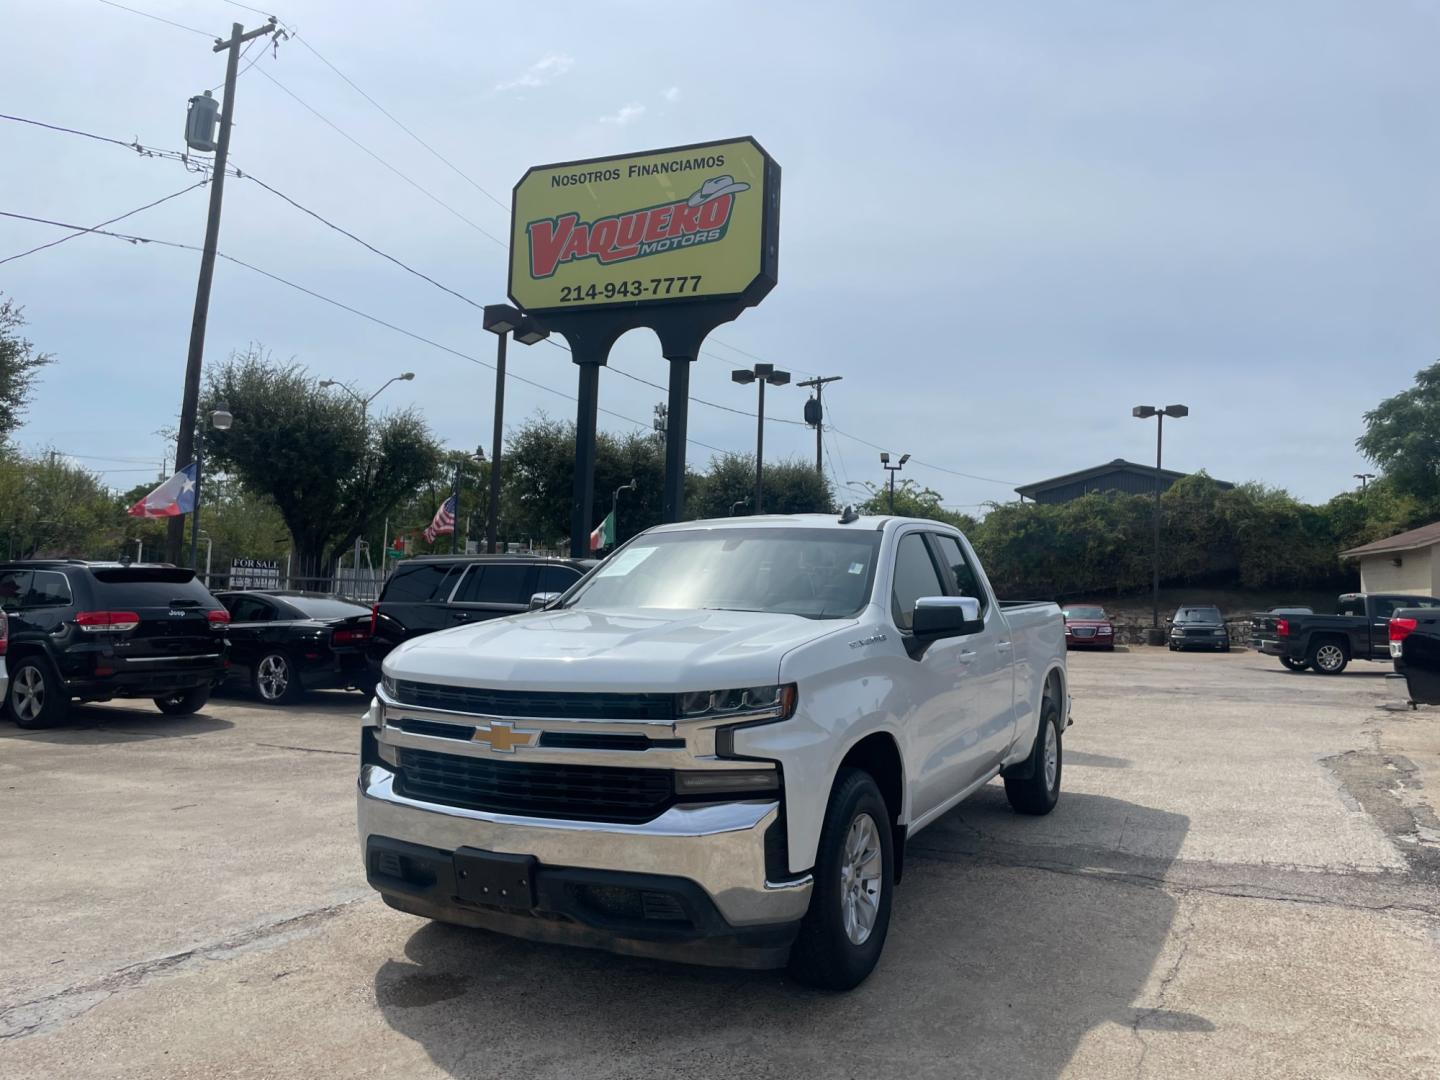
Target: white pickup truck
point(715, 745)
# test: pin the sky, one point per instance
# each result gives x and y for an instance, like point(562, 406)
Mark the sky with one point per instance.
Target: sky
point(1003, 225)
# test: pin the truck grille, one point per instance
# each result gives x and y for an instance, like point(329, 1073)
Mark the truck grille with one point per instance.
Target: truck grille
point(576, 792)
point(535, 704)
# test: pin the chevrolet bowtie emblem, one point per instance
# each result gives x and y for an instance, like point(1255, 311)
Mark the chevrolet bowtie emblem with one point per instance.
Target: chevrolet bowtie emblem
point(503, 738)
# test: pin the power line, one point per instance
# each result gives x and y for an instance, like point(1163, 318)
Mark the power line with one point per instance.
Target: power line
point(133, 239)
point(366, 245)
point(416, 185)
point(193, 164)
point(111, 221)
point(157, 18)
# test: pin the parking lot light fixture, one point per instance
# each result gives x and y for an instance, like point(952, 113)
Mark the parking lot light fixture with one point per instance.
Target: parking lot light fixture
point(761, 375)
point(500, 320)
point(1144, 412)
point(892, 470)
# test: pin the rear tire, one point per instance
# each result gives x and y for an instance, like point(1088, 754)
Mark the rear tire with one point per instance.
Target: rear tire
point(275, 680)
point(1328, 657)
point(36, 698)
point(1293, 664)
point(1038, 793)
point(843, 933)
point(183, 702)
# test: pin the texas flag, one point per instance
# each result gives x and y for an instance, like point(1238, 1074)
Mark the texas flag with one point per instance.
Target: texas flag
point(174, 497)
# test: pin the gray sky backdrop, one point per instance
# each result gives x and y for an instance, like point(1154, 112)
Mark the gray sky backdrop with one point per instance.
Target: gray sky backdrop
point(1003, 224)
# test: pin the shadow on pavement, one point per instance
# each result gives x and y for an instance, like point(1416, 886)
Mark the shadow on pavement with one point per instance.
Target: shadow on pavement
point(1006, 949)
point(89, 725)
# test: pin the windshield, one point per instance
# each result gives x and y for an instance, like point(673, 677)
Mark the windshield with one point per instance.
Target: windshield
point(817, 573)
point(1085, 613)
point(1198, 615)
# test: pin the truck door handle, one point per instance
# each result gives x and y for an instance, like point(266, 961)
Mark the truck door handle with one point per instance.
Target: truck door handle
point(461, 616)
point(1002, 645)
point(966, 656)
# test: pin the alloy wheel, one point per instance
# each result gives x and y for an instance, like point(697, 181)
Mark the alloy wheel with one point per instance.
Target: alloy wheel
point(1329, 657)
point(272, 677)
point(860, 879)
point(1052, 756)
point(28, 696)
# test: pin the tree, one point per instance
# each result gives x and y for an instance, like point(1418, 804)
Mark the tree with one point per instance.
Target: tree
point(790, 487)
point(1402, 437)
point(55, 509)
point(19, 366)
point(310, 452)
point(912, 500)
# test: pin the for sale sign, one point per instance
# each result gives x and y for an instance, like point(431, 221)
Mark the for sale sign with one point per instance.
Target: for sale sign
point(688, 223)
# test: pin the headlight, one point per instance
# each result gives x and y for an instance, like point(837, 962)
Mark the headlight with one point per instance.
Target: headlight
point(753, 702)
point(1220, 633)
point(1105, 630)
point(387, 683)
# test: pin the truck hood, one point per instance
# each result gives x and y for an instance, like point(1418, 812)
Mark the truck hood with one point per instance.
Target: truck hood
point(637, 650)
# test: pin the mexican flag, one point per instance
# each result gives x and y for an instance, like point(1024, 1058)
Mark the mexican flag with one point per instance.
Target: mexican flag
point(604, 534)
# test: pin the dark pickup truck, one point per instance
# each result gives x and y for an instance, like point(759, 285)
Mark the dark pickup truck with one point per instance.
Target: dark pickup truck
point(1359, 630)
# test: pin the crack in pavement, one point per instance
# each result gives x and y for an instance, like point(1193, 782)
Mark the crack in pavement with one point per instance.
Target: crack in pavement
point(307, 749)
point(1148, 1015)
point(1385, 891)
point(45, 1013)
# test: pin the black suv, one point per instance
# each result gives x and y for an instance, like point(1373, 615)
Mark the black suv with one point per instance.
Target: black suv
point(1199, 626)
point(87, 631)
point(435, 592)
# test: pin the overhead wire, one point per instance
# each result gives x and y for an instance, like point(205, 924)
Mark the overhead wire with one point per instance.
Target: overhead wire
point(160, 19)
point(413, 183)
point(111, 221)
point(135, 239)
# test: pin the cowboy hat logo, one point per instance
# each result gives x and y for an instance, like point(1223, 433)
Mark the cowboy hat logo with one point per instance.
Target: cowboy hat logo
point(714, 188)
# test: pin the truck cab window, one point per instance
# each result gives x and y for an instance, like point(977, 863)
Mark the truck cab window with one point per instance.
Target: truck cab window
point(915, 577)
point(961, 574)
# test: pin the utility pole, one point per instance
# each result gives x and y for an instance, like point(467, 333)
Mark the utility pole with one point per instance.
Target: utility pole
point(816, 416)
point(189, 405)
point(455, 521)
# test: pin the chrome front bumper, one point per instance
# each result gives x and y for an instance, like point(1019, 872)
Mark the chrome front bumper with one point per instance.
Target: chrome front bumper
point(718, 846)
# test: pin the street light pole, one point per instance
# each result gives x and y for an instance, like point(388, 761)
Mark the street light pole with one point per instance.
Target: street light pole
point(220, 419)
point(407, 376)
point(761, 374)
point(892, 470)
point(502, 319)
point(1144, 412)
point(1364, 478)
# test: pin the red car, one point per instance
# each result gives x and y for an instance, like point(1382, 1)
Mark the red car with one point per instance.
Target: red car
point(1088, 627)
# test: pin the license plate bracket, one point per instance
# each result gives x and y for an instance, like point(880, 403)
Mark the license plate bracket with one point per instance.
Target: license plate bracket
point(496, 879)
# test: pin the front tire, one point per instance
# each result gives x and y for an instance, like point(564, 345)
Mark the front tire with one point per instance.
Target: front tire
point(1038, 793)
point(183, 702)
point(36, 698)
point(1328, 657)
point(843, 933)
point(275, 680)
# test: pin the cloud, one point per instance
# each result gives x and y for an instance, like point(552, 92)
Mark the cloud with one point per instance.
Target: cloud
point(627, 114)
point(547, 69)
point(671, 94)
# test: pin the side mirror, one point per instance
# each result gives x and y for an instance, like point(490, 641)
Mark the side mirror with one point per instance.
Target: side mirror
point(946, 616)
point(541, 600)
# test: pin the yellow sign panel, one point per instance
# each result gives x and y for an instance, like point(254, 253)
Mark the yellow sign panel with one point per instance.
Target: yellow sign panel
point(689, 223)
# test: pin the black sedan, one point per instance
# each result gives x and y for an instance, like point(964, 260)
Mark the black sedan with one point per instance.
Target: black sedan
point(286, 643)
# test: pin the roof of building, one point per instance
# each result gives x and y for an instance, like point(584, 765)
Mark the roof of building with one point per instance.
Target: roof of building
point(1118, 465)
point(1405, 541)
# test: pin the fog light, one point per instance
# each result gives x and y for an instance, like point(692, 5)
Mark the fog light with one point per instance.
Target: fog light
point(726, 781)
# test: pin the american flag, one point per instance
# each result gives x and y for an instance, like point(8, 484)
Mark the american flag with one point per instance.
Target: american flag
point(444, 521)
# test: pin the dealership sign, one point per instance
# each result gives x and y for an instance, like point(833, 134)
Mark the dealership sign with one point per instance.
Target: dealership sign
point(689, 223)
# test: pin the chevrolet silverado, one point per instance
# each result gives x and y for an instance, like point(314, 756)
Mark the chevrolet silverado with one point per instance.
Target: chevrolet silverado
point(715, 746)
